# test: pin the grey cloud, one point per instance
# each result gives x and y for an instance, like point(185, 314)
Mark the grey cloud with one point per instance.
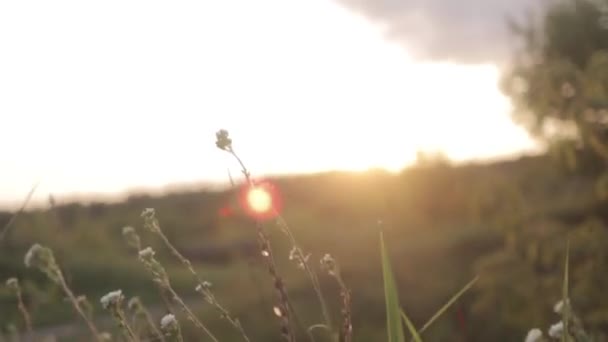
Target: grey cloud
point(464, 31)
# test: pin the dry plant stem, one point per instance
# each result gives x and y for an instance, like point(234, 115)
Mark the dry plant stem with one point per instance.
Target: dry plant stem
point(152, 326)
point(233, 321)
point(346, 329)
point(266, 250)
point(24, 312)
point(311, 274)
point(76, 305)
point(283, 224)
point(126, 329)
point(190, 315)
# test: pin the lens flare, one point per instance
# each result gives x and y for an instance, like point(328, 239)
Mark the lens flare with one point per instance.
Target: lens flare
point(260, 200)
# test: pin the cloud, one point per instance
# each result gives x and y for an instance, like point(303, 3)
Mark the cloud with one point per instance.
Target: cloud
point(462, 31)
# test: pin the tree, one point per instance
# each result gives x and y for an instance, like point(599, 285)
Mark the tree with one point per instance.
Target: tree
point(558, 82)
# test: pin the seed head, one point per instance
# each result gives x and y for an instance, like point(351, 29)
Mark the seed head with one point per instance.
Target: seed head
point(168, 322)
point(556, 330)
point(131, 237)
point(12, 283)
point(534, 335)
point(329, 264)
point(112, 299)
point(222, 140)
point(147, 253)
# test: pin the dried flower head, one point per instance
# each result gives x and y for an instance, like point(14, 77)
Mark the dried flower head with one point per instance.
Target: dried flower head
point(559, 306)
point(556, 330)
point(112, 299)
point(131, 237)
point(150, 220)
point(12, 284)
point(329, 264)
point(168, 322)
point(105, 336)
point(42, 258)
point(222, 140)
point(205, 285)
point(296, 255)
point(147, 253)
point(134, 304)
point(534, 335)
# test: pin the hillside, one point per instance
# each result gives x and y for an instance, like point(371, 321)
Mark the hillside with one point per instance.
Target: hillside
point(506, 221)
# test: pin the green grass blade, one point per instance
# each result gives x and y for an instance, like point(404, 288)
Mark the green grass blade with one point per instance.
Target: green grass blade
point(410, 327)
point(393, 311)
point(565, 300)
point(447, 305)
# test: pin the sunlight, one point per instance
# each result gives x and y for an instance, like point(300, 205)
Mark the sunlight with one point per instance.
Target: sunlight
point(297, 97)
point(259, 200)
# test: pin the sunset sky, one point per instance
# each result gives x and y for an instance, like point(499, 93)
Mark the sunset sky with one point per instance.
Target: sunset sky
point(104, 97)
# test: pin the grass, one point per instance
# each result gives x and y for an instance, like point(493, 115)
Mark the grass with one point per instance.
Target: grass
point(295, 318)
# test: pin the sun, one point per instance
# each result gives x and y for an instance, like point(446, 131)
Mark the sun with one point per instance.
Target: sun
point(259, 200)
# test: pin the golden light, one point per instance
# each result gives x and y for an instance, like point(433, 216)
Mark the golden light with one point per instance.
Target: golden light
point(259, 200)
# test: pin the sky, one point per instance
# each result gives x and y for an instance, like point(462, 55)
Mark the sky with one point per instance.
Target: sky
point(102, 98)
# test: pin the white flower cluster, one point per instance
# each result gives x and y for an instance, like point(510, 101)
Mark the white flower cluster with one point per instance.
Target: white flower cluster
point(146, 253)
point(112, 298)
point(168, 321)
point(32, 253)
point(555, 331)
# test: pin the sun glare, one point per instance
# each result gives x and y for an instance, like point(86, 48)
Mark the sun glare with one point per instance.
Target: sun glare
point(259, 200)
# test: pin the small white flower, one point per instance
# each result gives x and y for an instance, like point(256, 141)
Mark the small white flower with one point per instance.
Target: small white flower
point(12, 282)
point(31, 254)
point(556, 330)
point(147, 252)
point(205, 285)
point(559, 306)
point(105, 336)
point(167, 321)
point(534, 335)
point(133, 303)
point(128, 230)
point(111, 298)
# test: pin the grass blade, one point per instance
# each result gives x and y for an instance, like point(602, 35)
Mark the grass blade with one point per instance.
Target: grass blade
point(565, 300)
point(393, 312)
point(447, 305)
point(411, 327)
point(21, 209)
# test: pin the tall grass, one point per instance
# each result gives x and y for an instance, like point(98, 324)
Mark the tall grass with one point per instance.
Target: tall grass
point(169, 327)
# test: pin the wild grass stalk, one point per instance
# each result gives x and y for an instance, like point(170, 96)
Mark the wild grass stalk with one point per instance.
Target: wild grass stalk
point(139, 310)
point(159, 276)
point(15, 288)
point(171, 328)
point(283, 309)
point(134, 241)
point(329, 264)
point(202, 286)
point(42, 258)
point(113, 302)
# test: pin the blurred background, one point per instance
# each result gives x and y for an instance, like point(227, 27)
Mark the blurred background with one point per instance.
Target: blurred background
point(472, 133)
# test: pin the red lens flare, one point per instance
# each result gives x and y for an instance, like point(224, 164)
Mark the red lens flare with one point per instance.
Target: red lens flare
point(260, 200)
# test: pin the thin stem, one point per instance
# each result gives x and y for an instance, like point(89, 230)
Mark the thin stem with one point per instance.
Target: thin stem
point(24, 312)
point(124, 326)
point(208, 294)
point(266, 250)
point(311, 274)
point(191, 315)
point(76, 305)
point(151, 324)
